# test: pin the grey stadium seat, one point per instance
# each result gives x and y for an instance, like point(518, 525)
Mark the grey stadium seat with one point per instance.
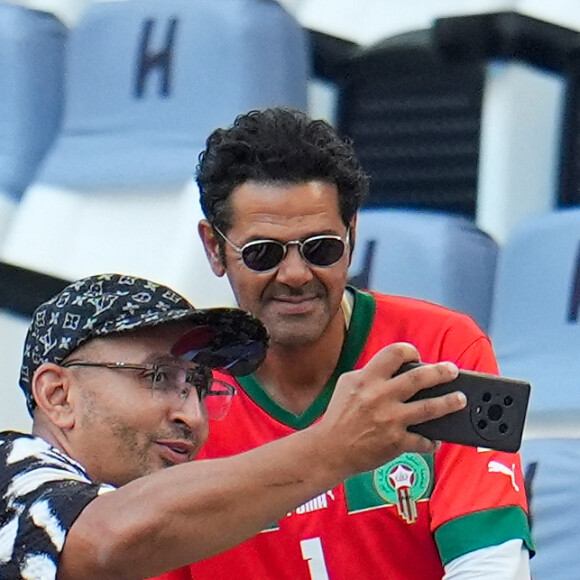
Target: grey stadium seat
point(536, 334)
point(32, 45)
point(430, 255)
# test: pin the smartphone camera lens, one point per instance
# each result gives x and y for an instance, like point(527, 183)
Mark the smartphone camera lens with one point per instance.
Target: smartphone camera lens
point(494, 412)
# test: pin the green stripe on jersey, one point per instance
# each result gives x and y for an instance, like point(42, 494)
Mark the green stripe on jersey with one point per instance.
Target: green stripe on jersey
point(482, 530)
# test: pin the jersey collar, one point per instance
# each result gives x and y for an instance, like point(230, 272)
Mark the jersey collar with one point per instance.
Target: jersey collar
point(361, 320)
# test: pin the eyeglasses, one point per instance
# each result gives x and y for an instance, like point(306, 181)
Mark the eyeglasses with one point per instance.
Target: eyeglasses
point(175, 382)
point(237, 359)
point(265, 255)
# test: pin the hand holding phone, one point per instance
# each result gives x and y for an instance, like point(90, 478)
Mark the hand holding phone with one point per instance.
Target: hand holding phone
point(493, 417)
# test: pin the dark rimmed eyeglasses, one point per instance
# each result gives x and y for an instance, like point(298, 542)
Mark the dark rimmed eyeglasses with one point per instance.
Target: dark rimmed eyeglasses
point(264, 255)
point(174, 382)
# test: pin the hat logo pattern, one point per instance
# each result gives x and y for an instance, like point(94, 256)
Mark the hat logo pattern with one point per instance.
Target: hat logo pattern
point(47, 342)
point(110, 303)
point(92, 307)
point(71, 321)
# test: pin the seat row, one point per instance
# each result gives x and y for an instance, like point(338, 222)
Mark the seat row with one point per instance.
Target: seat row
point(101, 124)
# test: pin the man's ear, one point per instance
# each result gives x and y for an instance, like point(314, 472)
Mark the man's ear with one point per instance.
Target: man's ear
point(212, 247)
point(51, 388)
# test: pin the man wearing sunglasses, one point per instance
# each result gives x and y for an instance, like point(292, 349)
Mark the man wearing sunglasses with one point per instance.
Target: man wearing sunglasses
point(280, 193)
point(117, 375)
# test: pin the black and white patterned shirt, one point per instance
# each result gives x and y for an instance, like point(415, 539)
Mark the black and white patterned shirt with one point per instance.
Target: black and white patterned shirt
point(42, 492)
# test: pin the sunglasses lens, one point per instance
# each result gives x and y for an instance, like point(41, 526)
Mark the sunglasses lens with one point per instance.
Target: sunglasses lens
point(248, 357)
point(263, 255)
point(203, 345)
point(236, 360)
point(323, 251)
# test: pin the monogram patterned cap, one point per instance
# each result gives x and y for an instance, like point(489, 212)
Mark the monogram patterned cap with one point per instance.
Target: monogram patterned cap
point(113, 303)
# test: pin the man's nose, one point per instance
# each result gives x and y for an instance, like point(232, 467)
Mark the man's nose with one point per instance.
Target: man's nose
point(190, 411)
point(294, 270)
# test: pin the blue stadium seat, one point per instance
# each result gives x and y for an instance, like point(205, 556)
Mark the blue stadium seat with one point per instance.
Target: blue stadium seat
point(429, 255)
point(536, 312)
point(147, 81)
point(32, 45)
point(552, 471)
point(535, 330)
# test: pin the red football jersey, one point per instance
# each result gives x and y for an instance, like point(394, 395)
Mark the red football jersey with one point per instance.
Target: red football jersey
point(403, 520)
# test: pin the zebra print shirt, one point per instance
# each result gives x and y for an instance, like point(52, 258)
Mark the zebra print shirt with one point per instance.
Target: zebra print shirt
point(42, 492)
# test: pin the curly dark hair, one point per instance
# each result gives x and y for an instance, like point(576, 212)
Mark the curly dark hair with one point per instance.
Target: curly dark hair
point(282, 146)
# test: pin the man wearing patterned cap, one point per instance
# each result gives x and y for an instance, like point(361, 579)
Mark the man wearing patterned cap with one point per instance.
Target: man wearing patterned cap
point(117, 374)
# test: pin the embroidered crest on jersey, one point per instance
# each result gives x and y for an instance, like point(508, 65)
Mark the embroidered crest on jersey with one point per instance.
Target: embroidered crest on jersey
point(403, 481)
point(362, 493)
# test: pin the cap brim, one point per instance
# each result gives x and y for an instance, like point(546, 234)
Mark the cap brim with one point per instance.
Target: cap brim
point(228, 339)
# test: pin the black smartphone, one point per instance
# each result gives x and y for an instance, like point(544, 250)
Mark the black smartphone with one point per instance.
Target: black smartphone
point(493, 417)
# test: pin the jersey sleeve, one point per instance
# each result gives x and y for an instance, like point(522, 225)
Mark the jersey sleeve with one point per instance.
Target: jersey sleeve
point(479, 499)
point(42, 494)
point(467, 346)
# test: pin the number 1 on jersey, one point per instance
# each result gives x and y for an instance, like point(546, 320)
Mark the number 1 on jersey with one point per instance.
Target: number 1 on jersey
point(313, 554)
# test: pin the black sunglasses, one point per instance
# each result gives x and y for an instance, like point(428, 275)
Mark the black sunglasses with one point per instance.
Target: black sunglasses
point(238, 358)
point(319, 251)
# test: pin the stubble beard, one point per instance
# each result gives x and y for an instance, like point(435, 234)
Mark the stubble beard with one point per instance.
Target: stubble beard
point(296, 332)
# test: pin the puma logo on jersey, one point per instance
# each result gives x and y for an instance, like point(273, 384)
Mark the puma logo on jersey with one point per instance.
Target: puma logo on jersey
point(318, 503)
point(497, 467)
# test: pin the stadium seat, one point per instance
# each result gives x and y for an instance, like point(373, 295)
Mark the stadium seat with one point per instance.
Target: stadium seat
point(535, 329)
point(32, 45)
point(535, 324)
point(552, 470)
point(147, 81)
point(434, 256)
